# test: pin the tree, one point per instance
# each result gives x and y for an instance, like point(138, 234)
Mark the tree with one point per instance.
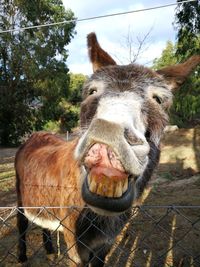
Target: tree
point(70, 109)
point(167, 57)
point(32, 65)
point(133, 46)
point(187, 24)
point(69, 116)
point(186, 108)
point(75, 87)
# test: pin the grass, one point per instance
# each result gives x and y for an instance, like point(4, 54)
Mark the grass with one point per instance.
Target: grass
point(168, 176)
point(7, 173)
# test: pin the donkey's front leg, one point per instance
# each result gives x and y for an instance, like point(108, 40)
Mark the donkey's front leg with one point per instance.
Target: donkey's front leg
point(70, 239)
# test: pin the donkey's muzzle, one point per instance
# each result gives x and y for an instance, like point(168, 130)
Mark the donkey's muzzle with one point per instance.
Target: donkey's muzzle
point(112, 158)
point(130, 152)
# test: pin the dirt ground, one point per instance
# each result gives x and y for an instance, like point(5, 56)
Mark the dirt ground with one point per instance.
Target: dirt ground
point(163, 232)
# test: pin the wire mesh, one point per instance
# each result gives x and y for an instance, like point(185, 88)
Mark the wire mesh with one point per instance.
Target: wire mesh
point(156, 236)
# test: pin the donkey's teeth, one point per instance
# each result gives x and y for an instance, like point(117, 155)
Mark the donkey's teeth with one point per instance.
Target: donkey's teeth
point(89, 179)
point(93, 185)
point(101, 190)
point(110, 192)
point(125, 186)
point(106, 187)
point(118, 190)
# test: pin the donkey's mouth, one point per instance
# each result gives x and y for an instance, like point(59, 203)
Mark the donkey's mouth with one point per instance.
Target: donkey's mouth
point(107, 186)
point(111, 194)
point(107, 182)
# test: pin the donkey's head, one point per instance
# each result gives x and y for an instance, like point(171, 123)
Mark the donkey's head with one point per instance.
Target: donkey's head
point(123, 114)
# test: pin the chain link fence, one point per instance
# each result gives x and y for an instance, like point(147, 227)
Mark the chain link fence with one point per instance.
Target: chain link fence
point(155, 236)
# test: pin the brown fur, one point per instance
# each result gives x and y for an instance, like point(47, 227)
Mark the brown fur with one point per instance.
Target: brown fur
point(49, 177)
point(177, 74)
point(98, 56)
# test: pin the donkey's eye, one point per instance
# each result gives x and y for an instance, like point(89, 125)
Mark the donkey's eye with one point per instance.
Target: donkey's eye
point(92, 91)
point(147, 134)
point(157, 99)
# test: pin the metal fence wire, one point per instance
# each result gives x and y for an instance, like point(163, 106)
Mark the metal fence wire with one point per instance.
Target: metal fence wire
point(155, 236)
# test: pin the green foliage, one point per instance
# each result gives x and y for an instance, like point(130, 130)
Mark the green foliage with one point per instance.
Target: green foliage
point(187, 23)
point(69, 116)
point(186, 108)
point(52, 126)
point(16, 117)
point(167, 57)
point(167, 175)
point(32, 65)
point(75, 87)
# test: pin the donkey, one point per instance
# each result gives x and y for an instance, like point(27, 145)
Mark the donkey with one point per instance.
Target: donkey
point(106, 168)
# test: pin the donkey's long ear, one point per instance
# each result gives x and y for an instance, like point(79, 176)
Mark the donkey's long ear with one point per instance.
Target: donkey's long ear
point(177, 74)
point(98, 56)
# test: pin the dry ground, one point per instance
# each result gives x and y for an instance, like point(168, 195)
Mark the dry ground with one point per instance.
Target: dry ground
point(155, 237)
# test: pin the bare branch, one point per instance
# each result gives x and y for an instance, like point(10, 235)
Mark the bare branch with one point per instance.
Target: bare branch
point(135, 46)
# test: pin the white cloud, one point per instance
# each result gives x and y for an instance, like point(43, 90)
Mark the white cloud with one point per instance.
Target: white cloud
point(111, 31)
point(84, 68)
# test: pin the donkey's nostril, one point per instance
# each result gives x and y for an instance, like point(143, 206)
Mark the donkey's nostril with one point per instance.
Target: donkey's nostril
point(131, 138)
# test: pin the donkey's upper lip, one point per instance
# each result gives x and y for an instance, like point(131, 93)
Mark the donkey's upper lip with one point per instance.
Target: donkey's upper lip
point(100, 154)
point(111, 173)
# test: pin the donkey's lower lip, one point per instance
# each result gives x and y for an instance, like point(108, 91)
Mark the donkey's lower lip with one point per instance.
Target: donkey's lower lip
point(110, 204)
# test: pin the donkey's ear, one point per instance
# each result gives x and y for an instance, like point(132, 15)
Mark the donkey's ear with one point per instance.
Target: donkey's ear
point(177, 74)
point(98, 56)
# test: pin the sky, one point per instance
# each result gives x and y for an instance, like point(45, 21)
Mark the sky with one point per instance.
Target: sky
point(112, 32)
